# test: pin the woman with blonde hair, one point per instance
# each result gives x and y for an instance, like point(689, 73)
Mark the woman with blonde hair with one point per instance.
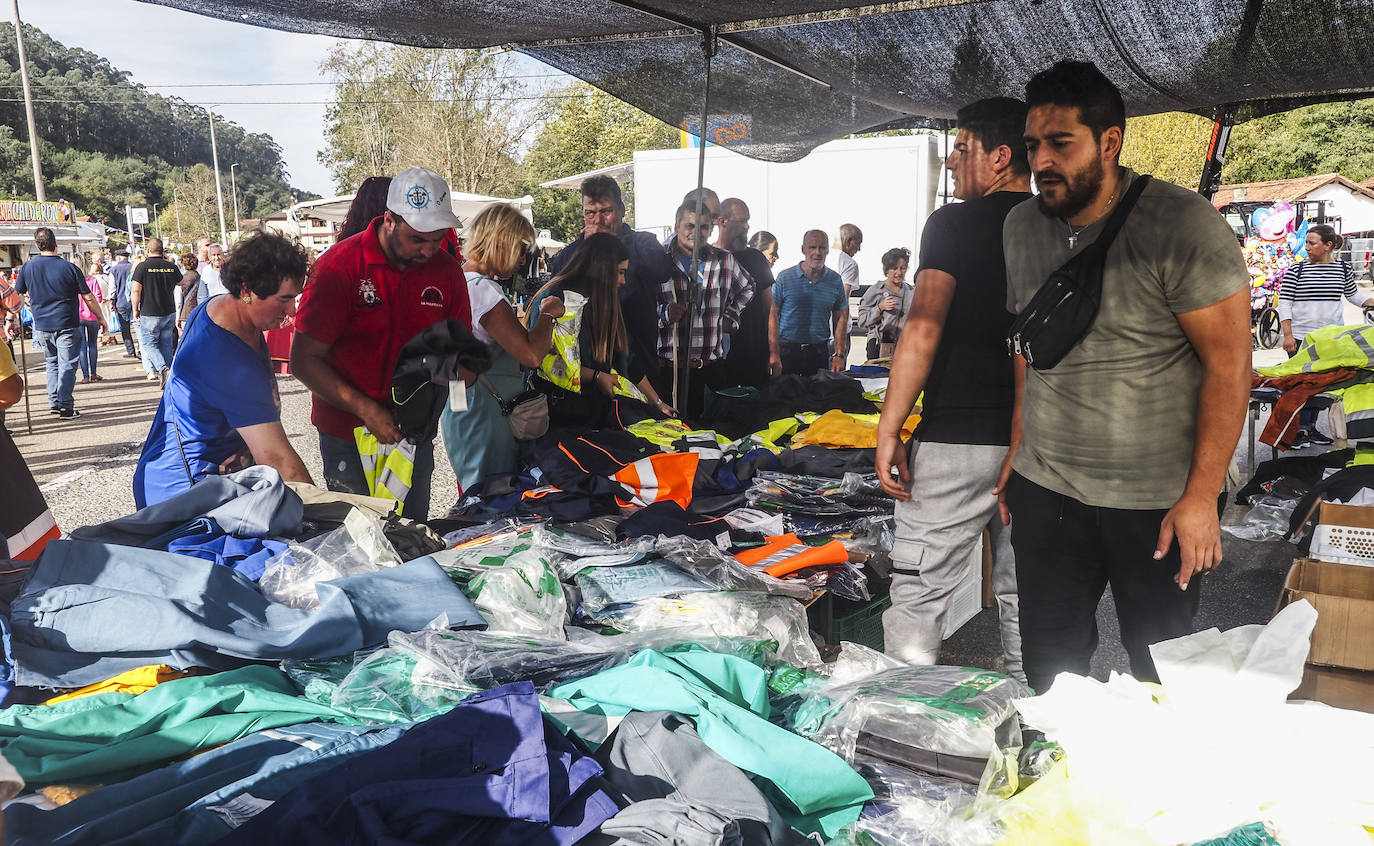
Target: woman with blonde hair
point(499, 242)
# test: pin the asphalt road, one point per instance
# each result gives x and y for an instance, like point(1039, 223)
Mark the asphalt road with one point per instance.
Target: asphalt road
point(86, 466)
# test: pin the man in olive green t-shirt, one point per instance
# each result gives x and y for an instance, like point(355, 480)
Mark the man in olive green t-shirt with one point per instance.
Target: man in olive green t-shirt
point(1120, 451)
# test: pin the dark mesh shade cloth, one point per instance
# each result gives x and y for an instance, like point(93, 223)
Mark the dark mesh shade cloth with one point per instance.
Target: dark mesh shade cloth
point(899, 64)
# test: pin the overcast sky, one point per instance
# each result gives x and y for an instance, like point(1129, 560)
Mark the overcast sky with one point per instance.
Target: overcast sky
point(163, 48)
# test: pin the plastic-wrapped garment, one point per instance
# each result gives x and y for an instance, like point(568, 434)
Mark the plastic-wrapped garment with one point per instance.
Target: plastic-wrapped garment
point(753, 520)
point(521, 595)
point(481, 660)
point(1267, 519)
point(812, 495)
point(481, 531)
point(563, 364)
point(358, 546)
point(603, 586)
point(724, 614)
point(572, 552)
point(385, 685)
point(941, 720)
point(911, 809)
point(1130, 746)
point(707, 562)
point(464, 563)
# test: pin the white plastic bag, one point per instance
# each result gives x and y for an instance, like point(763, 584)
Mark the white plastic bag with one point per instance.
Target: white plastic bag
point(1216, 745)
point(358, 546)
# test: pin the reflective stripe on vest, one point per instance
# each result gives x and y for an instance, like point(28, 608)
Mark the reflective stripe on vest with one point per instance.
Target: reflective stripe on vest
point(660, 478)
point(1328, 348)
point(30, 540)
point(786, 554)
point(388, 468)
point(563, 364)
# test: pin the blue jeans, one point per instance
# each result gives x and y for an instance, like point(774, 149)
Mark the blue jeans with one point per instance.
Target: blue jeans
point(158, 340)
point(90, 350)
point(60, 351)
point(343, 471)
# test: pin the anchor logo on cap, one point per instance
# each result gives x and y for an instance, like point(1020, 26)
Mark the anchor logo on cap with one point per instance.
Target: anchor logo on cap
point(417, 197)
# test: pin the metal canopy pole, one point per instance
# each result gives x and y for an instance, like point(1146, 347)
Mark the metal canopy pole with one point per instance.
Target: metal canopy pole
point(1216, 152)
point(24, 365)
point(708, 51)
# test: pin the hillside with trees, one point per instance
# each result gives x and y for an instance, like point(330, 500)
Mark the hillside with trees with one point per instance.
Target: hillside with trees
point(108, 141)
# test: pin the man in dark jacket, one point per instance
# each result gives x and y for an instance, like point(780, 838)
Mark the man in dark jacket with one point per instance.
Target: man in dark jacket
point(120, 273)
point(603, 210)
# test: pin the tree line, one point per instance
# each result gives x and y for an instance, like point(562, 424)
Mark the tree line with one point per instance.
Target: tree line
point(107, 142)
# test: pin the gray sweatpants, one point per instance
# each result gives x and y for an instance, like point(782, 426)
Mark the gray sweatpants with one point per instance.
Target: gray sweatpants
point(952, 502)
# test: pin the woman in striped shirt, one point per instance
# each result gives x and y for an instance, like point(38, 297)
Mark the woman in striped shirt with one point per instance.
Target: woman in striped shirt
point(1310, 298)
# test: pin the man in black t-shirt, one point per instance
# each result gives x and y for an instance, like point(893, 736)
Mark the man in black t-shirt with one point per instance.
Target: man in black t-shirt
point(751, 346)
point(154, 306)
point(953, 348)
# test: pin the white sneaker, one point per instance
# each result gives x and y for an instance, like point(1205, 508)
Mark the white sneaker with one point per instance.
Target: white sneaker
point(151, 377)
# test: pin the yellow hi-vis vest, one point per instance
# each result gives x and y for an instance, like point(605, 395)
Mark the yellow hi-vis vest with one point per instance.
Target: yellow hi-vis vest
point(1328, 348)
point(388, 468)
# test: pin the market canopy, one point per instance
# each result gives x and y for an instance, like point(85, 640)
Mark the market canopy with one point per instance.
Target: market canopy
point(792, 74)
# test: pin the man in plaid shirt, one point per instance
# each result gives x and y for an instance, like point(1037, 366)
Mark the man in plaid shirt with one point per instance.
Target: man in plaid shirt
point(723, 290)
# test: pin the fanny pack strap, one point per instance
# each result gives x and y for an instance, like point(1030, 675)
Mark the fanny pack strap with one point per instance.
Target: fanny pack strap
point(1118, 217)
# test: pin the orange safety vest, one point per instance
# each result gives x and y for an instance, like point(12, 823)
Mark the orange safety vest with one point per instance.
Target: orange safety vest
point(785, 554)
point(659, 478)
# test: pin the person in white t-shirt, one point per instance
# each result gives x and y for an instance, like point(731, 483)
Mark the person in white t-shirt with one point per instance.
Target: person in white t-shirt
point(500, 241)
point(851, 239)
point(209, 274)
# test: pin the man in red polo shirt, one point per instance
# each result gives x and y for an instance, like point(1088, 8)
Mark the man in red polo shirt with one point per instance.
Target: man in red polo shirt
point(367, 296)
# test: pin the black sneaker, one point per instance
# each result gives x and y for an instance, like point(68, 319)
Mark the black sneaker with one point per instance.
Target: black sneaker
point(1318, 438)
point(68, 414)
point(1300, 440)
point(52, 409)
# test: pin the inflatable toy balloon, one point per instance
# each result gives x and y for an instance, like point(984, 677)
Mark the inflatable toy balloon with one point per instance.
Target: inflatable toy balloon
point(1278, 224)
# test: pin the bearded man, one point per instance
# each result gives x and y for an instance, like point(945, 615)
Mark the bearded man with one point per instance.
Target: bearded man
point(1119, 453)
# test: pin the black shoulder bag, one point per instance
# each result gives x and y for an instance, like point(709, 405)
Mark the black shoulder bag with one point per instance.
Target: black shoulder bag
point(1064, 308)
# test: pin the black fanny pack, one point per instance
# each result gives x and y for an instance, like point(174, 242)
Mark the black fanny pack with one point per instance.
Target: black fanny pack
point(1064, 308)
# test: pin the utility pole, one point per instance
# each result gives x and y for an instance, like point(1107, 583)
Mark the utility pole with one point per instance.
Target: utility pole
point(234, 189)
point(39, 191)
point(157, 224)
point(176, 207)
point(219, 192)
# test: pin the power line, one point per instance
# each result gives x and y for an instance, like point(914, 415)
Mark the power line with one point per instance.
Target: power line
point(391, 81)
point(350, 102)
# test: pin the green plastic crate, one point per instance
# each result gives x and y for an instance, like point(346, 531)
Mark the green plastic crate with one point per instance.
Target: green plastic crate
point(864, 626)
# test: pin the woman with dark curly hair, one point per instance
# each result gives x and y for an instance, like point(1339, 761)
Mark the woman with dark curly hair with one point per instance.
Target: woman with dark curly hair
point(220, 411)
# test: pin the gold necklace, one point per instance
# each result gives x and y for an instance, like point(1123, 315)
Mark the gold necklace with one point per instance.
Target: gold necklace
point(1074, 232)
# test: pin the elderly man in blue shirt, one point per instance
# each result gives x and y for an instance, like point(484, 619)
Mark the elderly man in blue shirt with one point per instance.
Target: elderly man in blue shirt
point(810, 313)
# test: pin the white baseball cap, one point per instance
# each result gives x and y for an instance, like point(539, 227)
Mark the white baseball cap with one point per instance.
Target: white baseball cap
point(420, 195)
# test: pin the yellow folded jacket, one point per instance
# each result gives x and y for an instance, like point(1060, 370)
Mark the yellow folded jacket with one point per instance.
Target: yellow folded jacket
point(840, 429)
point(135, 681)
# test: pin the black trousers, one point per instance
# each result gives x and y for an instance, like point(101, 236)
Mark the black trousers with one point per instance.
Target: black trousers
point(1066, 555)
point(692, 403)
point(804, 359)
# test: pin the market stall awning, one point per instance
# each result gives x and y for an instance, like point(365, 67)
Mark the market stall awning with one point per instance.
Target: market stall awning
point(464, 205)
point(619, 172)
point(792, 74)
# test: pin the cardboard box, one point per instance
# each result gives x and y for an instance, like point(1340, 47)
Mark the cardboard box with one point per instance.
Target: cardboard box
point(1344, 534)
point(1343, 595)
point(1352, 689)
